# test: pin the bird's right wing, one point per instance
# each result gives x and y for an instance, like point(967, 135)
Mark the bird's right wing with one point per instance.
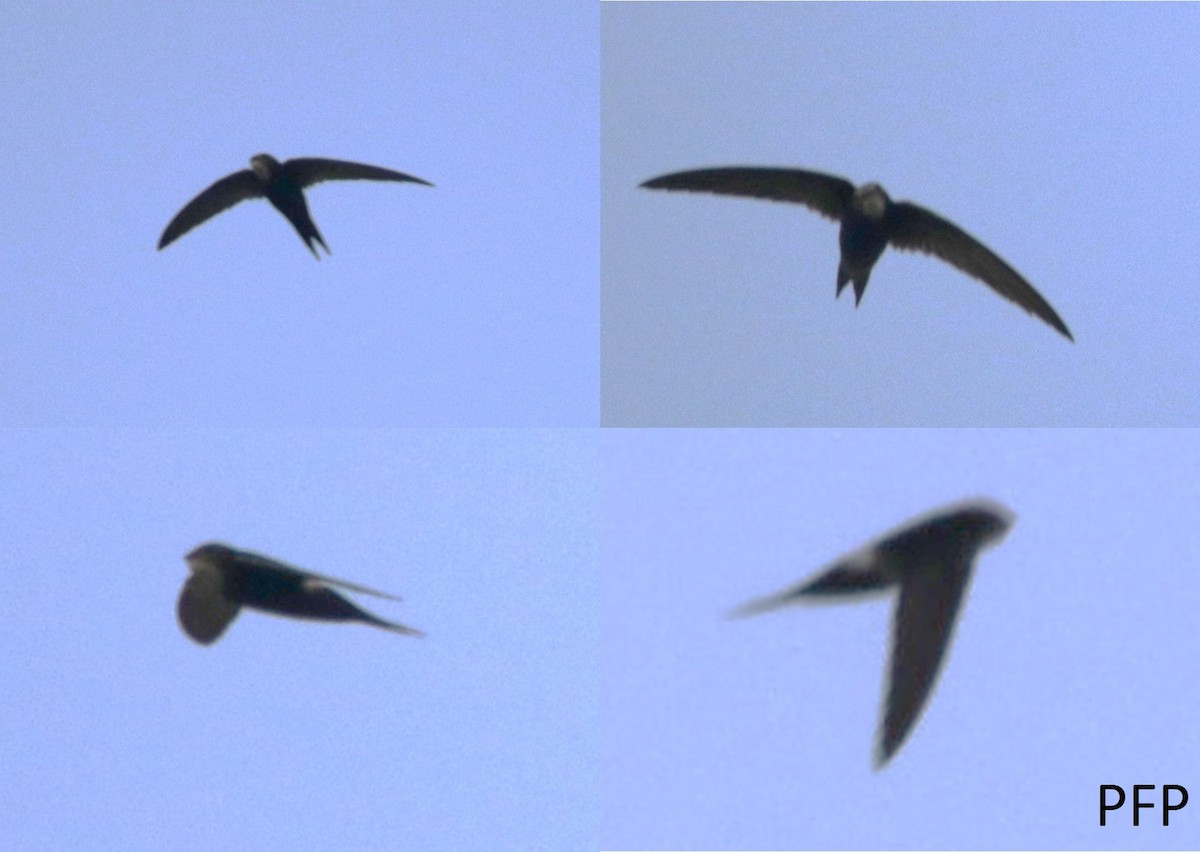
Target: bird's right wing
point(258, 562)
point(858, 573)
point(788, 596)
point(353, 587)
point(222, 195)
point(825, 194)
point(309, 170)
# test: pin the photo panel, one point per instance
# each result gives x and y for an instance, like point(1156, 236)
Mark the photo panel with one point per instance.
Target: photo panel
point(733, 722)
point(286, 732)
point(1034, 256)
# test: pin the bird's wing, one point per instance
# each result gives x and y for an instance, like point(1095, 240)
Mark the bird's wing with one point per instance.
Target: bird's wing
point(914, 228)
point(353, 587)
point(204, 611)
point(258, 562)
point(361, 614)
point(309, 170)
point(822, 193)
point(923, 624)
point(395, 627)
point(788, 596)
point(222, 195)
point(862, 572)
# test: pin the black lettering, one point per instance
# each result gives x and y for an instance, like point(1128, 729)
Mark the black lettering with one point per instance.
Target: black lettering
point(1167, 806)
point(1137, 805)
point(1104, 806)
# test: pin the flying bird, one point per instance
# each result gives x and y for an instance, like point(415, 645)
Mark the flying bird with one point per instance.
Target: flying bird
point(930, 559)
point(283, 185)
point(222, 580)
point(870, 222)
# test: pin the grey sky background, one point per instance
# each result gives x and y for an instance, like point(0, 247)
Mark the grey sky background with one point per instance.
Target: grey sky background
point(473, 303)
point(1058, 134)
point(1070, 668)
point(119, 732)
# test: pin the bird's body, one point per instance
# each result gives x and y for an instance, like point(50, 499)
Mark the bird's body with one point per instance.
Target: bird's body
point(222, 580)
point(929, 560)
point(283, 185)
point(862, 238)
point(870, 221)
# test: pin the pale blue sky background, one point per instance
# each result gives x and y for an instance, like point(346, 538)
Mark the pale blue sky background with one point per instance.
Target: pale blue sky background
point(117, 731)
point(1072, 665)
point(1059, 134)
point(473, 303)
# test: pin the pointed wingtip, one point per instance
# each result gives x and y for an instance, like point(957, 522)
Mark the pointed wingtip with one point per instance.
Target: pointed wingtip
point(1052, 319)
point(754, 607)
point(883, 755)
point(738, 612)
point(660, 182)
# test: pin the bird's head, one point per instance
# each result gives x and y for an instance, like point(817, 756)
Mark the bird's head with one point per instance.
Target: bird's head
point(987, 519)
point(210, 553)
point(871, 200)
point(264, 166)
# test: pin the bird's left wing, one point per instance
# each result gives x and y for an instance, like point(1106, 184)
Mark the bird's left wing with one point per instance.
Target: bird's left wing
point(923, 624)
point(914, 228)
point(309, 170)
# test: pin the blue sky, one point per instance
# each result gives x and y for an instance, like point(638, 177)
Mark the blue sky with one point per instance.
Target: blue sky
point(1070, 667)
point(285, 734)
point(233, 388)
point(473, 303)
point(1059, 134)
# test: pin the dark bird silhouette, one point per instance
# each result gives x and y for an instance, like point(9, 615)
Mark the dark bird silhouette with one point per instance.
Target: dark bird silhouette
point(223, 580)
point(870, 222)
point(930, 559)
point(283, 185)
